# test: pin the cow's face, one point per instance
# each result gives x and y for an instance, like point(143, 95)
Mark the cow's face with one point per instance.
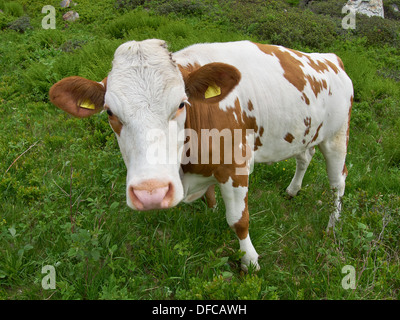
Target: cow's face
point(145, 96)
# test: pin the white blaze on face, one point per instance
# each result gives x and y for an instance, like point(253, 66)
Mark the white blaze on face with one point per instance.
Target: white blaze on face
point(145, 91)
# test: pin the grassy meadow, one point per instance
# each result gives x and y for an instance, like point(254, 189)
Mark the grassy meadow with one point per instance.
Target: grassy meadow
point(62, 180)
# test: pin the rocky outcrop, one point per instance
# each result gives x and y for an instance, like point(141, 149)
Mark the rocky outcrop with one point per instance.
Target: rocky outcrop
point(367, 7)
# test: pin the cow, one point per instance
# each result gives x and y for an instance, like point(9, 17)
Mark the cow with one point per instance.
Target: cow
point(268, 103)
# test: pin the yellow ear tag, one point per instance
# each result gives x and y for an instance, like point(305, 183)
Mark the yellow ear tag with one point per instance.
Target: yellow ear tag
point(212, 91)
point(87, 105)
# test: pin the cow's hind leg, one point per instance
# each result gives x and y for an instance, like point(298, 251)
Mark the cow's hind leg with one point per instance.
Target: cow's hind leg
point(210, 197)
point(237, 216)
point(302, 162)
point(334, 151)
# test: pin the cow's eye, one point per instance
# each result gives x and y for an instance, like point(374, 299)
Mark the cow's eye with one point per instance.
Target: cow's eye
point(182, 105)
point(109, 112)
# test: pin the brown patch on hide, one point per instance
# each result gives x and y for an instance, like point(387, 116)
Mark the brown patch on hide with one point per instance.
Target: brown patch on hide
point(208, 116)
point(210, 197)
point(289, 137)
point(290, 65)
point(307, 123)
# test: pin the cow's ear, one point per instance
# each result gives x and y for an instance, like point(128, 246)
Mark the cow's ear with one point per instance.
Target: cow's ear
point(78, 96)
point(212, 82)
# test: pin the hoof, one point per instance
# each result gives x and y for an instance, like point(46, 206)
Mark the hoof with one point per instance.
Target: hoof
point(291, 193)
point(254, 266)
point(250, 262)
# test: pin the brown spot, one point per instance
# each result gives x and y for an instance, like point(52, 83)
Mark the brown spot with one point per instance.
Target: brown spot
point(316, 133)
point(305, 98)
point(289, 137)
point(250, 106)
point(333, 66)
point(297, 53)
point(307, 122)
point(304, 141)
point(340, 62)
point(257, 143)
point(314, 138)
point(293, 71)
point(242, 226)
point(320, 67)
point(316, 85)
point(290, 65)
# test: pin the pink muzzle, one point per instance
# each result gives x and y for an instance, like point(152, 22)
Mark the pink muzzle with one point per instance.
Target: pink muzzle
point(151, 195)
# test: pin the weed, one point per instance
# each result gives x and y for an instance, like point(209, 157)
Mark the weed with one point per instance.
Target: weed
point(21, 24)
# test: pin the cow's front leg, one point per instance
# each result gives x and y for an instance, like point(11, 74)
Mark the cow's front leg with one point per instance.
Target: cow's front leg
point(237, 216)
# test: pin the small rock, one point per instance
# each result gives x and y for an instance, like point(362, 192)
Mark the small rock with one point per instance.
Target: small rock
point(65, 3)
point(71, 16)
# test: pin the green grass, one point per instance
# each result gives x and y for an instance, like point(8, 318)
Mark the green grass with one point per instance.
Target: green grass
point(62, 180)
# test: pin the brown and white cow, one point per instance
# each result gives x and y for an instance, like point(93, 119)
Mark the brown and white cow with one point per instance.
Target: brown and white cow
point(268, 103)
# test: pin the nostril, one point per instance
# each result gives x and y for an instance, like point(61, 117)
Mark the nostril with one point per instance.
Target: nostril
point(166, 202)
point(134, 199)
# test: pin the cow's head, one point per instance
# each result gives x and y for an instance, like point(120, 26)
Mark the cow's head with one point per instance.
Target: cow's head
point(146, 91)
